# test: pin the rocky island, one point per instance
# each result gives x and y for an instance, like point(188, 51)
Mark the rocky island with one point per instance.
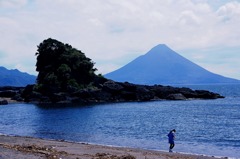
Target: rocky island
point(66, 75)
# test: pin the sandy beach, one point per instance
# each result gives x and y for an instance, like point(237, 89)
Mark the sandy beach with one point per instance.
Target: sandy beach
point(12, 147)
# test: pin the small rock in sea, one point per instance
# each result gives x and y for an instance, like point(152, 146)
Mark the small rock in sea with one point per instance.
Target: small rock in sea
point(3, 102)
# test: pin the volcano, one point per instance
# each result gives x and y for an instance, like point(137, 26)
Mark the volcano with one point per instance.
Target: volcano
point(162, 65)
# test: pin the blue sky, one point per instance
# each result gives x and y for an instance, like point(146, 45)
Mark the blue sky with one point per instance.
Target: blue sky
point(113, 33)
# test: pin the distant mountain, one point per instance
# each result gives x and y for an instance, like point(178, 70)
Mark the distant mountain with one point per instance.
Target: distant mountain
point(15, 78)
point(161, 65)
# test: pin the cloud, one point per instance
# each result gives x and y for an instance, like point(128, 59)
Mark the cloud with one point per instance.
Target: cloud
point(113, 33)
point(230, 10)
point(12, 3)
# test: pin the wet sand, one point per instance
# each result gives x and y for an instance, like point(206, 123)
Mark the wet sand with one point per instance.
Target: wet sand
point(12, 147)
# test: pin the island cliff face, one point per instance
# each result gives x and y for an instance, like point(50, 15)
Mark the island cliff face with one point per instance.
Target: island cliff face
point(66, 75)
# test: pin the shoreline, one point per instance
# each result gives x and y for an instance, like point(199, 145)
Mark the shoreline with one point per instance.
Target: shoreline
point(37, 148)
point(10, 101)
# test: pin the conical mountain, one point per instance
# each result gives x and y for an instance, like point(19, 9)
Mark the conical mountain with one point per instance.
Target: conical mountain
point(161, 65)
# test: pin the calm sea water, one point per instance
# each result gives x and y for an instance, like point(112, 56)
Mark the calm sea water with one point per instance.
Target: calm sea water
point(209, 127)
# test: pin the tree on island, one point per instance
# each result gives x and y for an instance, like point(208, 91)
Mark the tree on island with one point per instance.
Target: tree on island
point(62, 68)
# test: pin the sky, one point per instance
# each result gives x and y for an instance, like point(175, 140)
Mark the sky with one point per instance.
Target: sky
point(114, 32)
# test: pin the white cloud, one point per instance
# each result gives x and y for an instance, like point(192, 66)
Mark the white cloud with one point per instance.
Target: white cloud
point(12, 3)
point(114, 32)
point(229, 11)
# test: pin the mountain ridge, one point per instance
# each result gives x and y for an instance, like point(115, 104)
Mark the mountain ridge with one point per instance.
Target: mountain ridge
point(162, 65)
point(14, 77)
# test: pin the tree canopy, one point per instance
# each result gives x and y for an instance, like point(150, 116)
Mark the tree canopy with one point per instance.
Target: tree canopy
point(62, 67)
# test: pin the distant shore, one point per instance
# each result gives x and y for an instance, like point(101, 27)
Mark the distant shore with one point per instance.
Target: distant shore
point(9, 100)
point(34, 148)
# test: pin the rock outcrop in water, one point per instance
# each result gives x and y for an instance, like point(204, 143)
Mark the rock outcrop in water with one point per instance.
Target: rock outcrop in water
point(109, 91)
point(3, 102)
point(66, 75)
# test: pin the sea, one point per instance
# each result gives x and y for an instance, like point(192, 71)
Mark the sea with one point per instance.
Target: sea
point(203, 127)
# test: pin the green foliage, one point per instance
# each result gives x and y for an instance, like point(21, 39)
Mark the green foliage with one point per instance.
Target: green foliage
point(51, 79)
point(62, 66)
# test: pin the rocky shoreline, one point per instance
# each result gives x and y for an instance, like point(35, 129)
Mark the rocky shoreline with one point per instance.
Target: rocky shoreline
point(10, 94)
point(109, 91)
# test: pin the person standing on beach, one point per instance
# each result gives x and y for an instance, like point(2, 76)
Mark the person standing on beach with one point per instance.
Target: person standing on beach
point(171, 137)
